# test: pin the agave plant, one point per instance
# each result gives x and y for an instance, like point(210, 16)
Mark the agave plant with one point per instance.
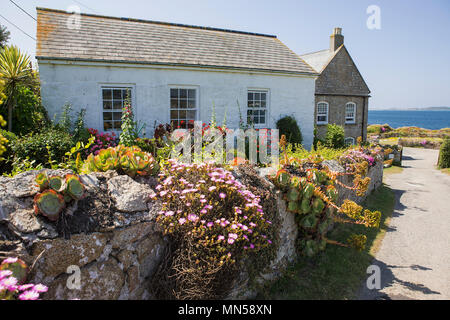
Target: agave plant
point(49, 203)
point(74, 187)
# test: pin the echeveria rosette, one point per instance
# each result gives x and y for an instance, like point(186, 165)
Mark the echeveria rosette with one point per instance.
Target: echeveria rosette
point(42, 180)
point(207, 204)
point(55, 183)
point(74, 187)
point(49, 203)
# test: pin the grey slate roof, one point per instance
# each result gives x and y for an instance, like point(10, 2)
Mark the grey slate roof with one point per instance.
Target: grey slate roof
point(112, 39)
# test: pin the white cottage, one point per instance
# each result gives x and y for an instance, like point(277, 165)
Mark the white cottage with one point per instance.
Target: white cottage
point(175, 73)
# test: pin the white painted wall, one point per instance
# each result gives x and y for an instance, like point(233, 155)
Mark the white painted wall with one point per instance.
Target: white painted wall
point(80, 85)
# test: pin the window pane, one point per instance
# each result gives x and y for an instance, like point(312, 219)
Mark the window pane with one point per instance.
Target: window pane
point(263, 96)
point(107, 94)
point(126, 94)
point(182, 114)
point(117, 104)
point(191, 93)
point(322, 119)
point(183, 104)
point(262, 120)
point(117, 125)
point(263, 104)
point(173, 114)
point(173, 103)
point(190, 115)
point(183, 93)
point(173, 93)
point(107, 105)
point(107, 116)
point(117, 116)
point(191, 104)
point(107, 125)
point(117, 94)
point(257, 96)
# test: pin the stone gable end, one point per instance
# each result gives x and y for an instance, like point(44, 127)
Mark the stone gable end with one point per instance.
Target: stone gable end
point(341, 77)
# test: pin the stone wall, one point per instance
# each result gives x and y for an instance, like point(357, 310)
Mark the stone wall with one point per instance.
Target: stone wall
point(111, 237)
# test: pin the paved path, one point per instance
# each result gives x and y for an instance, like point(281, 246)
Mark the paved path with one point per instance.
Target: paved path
point(414, 256)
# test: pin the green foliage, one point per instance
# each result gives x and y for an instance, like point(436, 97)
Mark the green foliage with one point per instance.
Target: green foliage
point(50, 144)
point(326, 153)
point(4, 36)
point(129, 132)
point(335, 137)
point(288, 126)
point(28, 114)
point(80, 132)
point(22, 165)
point(65, 119)
point(125, 160)
point(444, 154)
point(379, 129)
point(72, 159)
point(310, 193)
point(15, 71)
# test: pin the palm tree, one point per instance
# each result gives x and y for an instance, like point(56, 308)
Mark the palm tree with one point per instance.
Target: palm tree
point(15, 70)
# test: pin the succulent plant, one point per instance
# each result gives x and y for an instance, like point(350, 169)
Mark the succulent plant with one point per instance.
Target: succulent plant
point(305, 206)
point(293, 194)
point(283, 178)
point(49, 203)
point(292, 206)
point(308, 191)
point(42, 181)
point(18, 268)
point(317, 206)
point(55, 183)
point(309, 221)
point(74, 187)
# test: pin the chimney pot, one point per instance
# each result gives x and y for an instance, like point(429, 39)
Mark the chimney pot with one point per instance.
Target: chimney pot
point(336, 39)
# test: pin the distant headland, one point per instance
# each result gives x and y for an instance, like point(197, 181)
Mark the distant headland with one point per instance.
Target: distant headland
point(442, 108)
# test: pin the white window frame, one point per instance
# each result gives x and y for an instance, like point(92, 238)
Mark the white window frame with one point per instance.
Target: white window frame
point(322, 114)
point(197, 102)
point(351, 139)
point(115, 86)
point(266, 108)
point(350, 120)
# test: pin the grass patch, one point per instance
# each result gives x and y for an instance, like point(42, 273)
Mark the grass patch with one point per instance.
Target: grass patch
point(336, 273)
point(392, 170)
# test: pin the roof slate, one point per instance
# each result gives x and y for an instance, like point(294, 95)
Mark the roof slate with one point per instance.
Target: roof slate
point(112, 39)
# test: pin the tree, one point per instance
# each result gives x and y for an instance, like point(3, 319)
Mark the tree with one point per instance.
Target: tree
point(4, 36)
point(15, 70)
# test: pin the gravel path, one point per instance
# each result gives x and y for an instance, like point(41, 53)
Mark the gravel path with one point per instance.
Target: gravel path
point(414, 257)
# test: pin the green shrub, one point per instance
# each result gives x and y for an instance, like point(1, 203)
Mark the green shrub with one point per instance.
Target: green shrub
point(6, 163)
point(28, 114)
point(38, 147)
point(288, 126)
point(444, 154)
point(335, 136)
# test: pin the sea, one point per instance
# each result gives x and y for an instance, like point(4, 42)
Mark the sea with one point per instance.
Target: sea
point(411, 118)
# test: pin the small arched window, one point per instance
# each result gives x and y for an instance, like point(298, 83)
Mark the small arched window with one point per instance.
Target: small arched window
point(350, 141)
point(322, 113)
point(350, 112)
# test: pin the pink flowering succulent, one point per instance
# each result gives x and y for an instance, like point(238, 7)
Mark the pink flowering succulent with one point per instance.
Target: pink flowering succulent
point(212, 208)
point(10, 286)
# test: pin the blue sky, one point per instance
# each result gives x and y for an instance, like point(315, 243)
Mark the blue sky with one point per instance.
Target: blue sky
point(406, 63)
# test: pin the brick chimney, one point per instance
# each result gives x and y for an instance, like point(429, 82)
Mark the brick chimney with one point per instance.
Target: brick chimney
point(336, 39)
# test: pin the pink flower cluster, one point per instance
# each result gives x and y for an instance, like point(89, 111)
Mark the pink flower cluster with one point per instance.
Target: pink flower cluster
point(103, 140)
point(357, 156)
point(11, 289)
point(209, 204)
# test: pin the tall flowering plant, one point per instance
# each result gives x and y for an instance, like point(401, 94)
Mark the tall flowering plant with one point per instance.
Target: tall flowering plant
point(11, 282)
point(129, 132)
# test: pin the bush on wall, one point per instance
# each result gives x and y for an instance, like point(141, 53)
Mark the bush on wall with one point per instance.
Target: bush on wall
point(288, 126)
point(335, 136)
point(444, 154)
